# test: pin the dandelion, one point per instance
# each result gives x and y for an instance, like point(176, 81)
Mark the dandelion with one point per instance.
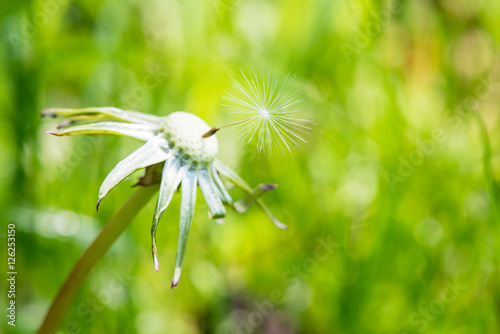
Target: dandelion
point(266, 107)
point(173, 145)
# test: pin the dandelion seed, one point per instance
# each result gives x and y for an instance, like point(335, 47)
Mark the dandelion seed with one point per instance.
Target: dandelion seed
point(267, 107)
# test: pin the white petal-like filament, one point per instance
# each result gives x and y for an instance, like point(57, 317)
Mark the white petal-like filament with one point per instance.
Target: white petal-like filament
point(99, 112)
point(223, 194)
point(211, 196)
point(188, 201)
point(139, 131)
point(148, 154)
point(172, 175)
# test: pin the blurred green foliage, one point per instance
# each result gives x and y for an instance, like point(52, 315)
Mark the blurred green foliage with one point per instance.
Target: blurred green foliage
point(392, 176)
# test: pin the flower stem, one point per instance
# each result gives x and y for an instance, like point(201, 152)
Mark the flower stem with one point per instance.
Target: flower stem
point(113, 229)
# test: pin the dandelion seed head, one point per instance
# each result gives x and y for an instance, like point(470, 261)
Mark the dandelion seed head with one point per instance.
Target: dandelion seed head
point(184, 130)
point(175, 155)
point(267, 106)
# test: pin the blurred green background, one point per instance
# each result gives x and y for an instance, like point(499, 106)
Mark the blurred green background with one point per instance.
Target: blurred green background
point(391, 203)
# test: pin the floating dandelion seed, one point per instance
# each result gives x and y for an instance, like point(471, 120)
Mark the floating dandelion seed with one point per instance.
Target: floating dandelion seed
point(267, 108)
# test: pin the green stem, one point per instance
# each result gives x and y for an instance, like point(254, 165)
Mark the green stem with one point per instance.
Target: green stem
point(487, 166)
point(494, 219)
point(113, 229)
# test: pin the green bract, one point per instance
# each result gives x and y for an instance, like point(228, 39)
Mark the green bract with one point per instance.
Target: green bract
point(188, 160)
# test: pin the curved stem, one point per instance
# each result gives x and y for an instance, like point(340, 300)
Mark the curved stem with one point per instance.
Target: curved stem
point(113, 229)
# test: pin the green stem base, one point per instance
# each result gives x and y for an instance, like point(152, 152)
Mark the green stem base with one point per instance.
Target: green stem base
point(113, 229)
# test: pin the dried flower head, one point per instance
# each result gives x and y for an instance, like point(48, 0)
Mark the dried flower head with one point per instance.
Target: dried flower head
point(267, 107)
point(174, 143)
